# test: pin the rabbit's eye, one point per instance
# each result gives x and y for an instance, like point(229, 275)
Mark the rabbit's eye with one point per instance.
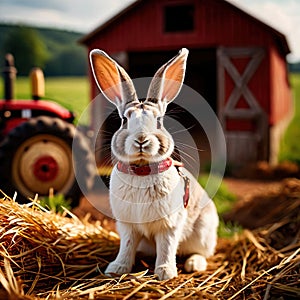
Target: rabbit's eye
point(159, 123)
point(124, 123)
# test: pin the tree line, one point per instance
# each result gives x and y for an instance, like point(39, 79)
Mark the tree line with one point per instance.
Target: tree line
point(55, 51)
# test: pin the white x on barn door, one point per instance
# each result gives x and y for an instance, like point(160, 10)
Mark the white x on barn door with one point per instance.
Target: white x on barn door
point(242, 145)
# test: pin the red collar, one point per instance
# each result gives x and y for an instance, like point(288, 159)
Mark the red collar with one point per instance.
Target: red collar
point(156, 168)
point(149, 169)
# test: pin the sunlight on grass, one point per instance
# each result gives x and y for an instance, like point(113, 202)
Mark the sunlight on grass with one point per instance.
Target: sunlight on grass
point(290, 145)
point(70, 92)
point(56, 203)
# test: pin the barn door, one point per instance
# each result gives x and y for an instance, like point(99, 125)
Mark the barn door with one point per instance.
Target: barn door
point(244, 121)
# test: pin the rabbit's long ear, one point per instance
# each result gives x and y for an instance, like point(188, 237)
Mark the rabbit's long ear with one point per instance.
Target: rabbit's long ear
point(112, 80)
point(167, 81)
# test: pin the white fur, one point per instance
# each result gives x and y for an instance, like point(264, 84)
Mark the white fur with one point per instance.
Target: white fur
point(149, 209)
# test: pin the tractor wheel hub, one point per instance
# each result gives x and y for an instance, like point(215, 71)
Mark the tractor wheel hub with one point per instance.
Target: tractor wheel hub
point(45, 168)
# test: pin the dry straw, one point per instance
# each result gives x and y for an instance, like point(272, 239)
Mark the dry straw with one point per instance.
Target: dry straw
point(50, 256)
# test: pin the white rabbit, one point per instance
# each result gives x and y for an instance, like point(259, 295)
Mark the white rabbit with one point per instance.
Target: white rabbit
point(159, 207)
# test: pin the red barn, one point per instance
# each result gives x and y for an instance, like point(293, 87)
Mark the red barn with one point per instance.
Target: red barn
point(236, 62)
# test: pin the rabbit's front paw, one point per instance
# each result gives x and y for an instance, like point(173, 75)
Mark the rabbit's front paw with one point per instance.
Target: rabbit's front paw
point(117, 268)
point(165, 272)
point(194, 263)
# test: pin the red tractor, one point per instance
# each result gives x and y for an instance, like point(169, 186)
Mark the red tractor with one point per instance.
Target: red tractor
point(36, 145)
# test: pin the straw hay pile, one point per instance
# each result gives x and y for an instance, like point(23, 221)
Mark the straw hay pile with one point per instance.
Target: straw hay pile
point(45, 255)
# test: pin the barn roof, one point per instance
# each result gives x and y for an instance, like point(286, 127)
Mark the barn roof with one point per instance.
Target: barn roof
point(279, 37)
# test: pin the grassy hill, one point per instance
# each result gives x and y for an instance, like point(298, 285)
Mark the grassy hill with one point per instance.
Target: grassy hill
point(66, 56)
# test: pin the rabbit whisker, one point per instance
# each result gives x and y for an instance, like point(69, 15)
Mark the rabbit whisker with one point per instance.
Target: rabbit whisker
point(186, 155)
point(188, 146)
point(181, 130)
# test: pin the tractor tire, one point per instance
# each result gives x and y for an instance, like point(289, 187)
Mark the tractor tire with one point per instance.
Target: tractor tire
point(37, 156)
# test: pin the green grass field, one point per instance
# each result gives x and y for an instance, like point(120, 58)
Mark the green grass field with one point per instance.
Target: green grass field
point(70, 92)
point(290, 144)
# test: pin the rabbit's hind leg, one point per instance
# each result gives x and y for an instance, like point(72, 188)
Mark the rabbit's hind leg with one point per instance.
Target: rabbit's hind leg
point(195, 262)
point(201, 243)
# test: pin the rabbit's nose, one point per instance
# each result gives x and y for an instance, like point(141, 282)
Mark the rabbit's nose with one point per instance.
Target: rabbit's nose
point(141, 143)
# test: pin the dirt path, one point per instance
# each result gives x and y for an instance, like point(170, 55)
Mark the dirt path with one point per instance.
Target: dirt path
point(245, 189)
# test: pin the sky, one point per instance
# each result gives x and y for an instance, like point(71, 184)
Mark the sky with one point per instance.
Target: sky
point(85, 15)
